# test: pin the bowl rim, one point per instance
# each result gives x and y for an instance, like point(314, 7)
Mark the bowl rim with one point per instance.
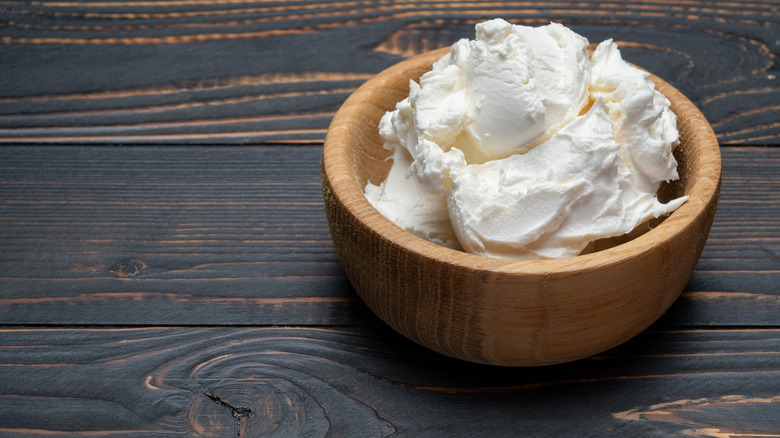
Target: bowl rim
point(335, 155)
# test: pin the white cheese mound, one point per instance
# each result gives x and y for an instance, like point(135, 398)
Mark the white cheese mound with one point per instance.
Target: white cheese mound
point(518, 145)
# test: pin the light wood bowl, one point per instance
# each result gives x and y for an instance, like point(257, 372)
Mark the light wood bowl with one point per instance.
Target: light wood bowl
point(498, 311)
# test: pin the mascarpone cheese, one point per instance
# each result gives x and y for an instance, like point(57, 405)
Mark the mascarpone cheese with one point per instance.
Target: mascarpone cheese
point(519, 145)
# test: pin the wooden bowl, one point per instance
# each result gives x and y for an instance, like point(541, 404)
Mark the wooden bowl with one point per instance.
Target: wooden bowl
point(499, 311)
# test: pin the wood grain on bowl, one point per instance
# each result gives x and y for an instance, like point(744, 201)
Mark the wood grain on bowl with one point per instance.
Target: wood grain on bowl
point(504, 312)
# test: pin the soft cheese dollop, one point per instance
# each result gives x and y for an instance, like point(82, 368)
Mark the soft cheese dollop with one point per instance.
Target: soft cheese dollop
point(519, 145)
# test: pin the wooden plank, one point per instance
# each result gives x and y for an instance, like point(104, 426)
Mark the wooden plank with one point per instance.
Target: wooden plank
point(164, 236)
point(238, 236)
point(247, 71)
point(341, 382)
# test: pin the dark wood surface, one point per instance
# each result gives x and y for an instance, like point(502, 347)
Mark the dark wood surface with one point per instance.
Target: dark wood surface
point(165, 262)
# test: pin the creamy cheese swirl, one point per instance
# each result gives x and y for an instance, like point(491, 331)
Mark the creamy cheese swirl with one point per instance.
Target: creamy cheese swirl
point(519, 145)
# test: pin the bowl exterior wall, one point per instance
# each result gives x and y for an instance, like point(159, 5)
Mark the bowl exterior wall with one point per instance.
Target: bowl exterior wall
point(495, 316)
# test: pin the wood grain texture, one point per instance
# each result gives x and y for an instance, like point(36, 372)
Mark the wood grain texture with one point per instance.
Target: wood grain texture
point(243, 71)
point(166, 238)
point(372, 383)
point(238, 235)
point(122, 269)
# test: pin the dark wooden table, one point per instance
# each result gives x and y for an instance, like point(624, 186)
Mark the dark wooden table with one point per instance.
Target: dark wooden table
point(165, 262)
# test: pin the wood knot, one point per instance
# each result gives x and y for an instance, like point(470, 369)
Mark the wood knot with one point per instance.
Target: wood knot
point(251, 408)
point(128, 268)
